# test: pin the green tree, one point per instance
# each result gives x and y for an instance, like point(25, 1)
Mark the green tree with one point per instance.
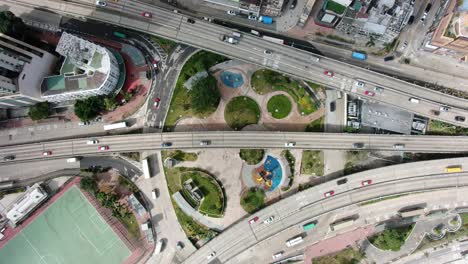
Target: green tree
point(110, 103)
point(205, 94)
point(39, 111)
point(88, 108)
point(89, 184)
point(10, 24)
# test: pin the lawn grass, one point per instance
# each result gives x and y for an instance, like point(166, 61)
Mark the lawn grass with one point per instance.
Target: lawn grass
point(131, 224)
point(267, 81)
point(345, 256)
point(353, 158)
point(212, 203)
point(253, 200)
point(318, 125)
point(166, 44)
point(391, 238)
point(279, 106)
point(181, 155)
point(312, 162)
point(335, 7)
point(181, 103)
point(241, 111)
point(192, 229)
point(440, 128)
point(251, 156)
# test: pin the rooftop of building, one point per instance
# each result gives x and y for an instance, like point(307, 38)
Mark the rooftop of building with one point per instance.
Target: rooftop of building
point(85, 67)
point(37, 64)
point(26, 203)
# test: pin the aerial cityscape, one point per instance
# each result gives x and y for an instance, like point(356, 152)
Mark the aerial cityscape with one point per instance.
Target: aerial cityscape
point(233, 131)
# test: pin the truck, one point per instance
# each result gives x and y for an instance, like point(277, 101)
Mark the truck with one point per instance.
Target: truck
point(115, 126)
point(359, 55)
point(229, 39)
point(146, 170)
point(266, 20)
point(71, 160)
point(294, 241)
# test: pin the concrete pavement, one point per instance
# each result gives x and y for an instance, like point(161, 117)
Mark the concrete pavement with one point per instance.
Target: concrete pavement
point(163, 216)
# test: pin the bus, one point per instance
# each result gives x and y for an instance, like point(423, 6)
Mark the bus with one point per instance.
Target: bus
point(342, 223)
point(310, 226)
point(294, 241)
point(275, 40)
point(452, 169)
point(115, 126)
point(146, 170)
point(119, 35)
point(411, 212)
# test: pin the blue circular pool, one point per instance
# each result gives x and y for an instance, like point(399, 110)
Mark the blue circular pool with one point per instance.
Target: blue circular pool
point(231, 79)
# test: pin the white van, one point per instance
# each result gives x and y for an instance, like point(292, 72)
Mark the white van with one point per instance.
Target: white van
point(159, 245)
point(236, 34)
point(154, 194)
point(414, 100)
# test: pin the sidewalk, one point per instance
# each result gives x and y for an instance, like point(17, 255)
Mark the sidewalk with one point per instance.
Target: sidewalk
point(337, 243)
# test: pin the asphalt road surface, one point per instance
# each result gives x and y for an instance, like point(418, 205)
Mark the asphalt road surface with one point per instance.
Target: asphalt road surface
point(406, 178)
point(251, 49)
point(191, 140)
point(124, 167)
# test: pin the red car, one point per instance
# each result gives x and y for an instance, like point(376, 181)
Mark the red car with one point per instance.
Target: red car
point(147, 14)
point(328, 194)
point(329, 73)
point(253, 220)
point(156, 102)
point(367, 182)
point(369, 93)
point(103, 147)
point(46, 153)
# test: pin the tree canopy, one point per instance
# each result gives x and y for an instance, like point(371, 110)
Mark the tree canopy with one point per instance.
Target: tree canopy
point(205, 94)
point(10, 24)
point(89, 184)
point(39, 111)
point(88, 108)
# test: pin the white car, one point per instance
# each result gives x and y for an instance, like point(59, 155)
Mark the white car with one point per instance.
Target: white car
point(210, 256)
point(360, 84)
point(290, 144)
point(232, 12)
point(252, 17)
point(92, 142)
point(277, 255)
point(101, 3)
point(269, 220)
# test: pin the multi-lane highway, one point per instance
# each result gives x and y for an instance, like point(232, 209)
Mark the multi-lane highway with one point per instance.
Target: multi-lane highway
point(188, 140)
point(307, 205)
point(251, 48)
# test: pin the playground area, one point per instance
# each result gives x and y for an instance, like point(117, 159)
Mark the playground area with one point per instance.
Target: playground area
point(269, 174)
point(232, 79)
point(69, 231)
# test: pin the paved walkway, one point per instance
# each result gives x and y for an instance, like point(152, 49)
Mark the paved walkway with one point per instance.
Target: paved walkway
point(337, 243)
point(412, 242)
point(226, 166)
point(184, 206)
point(294, 122)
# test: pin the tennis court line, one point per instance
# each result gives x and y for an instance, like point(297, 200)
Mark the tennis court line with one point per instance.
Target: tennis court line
point(96, 215)
point(41, 258)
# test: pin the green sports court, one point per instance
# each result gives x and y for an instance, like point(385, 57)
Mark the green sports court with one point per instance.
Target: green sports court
point(69, 231)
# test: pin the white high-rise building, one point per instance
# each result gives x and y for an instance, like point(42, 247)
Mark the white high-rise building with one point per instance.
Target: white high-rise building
point(88, 70)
